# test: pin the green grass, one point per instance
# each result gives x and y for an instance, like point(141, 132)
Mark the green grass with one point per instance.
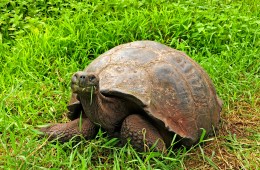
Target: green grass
point(42, 43)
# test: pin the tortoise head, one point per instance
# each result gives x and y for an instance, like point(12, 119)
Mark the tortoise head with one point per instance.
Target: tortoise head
point(84, 82)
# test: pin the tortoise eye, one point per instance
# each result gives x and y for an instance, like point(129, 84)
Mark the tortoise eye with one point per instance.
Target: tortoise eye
point(91, 78)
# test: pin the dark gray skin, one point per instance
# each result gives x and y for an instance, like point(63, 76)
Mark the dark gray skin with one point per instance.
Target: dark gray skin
point(97, 108)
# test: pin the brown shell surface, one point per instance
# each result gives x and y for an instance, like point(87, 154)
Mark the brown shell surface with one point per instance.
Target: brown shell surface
point(166, 83)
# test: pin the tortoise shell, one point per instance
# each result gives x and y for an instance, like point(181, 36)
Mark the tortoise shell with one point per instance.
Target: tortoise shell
point(169, 86)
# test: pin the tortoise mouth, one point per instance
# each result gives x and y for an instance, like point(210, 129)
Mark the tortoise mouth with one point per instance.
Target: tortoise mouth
point(76, 88)
point(84, 82)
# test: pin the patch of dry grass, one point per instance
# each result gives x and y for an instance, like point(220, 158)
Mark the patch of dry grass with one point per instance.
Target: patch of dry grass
point(238, 144)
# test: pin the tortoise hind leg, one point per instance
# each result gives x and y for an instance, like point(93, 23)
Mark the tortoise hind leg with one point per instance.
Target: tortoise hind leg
point(65, 131)
point(142, 134)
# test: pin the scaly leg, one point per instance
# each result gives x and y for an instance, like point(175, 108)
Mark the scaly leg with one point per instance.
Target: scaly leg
point(65, 131)
point(142, 134)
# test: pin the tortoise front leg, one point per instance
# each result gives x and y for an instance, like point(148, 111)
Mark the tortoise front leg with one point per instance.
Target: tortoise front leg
point(142, 134)
point(75, 108)
point(63, 132)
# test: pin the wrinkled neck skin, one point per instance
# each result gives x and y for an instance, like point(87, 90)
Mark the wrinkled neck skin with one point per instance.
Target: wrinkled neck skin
point(108, 112)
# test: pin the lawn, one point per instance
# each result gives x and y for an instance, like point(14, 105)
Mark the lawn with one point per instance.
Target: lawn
point(43, 42)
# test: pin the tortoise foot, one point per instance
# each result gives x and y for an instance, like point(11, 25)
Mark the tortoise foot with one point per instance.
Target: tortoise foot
point(63, 132)
point(142, 134)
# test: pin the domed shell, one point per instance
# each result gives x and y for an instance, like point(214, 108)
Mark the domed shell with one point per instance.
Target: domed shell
point(166, 83)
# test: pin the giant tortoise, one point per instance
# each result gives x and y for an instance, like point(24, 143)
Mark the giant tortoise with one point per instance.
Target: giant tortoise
point(144, 92)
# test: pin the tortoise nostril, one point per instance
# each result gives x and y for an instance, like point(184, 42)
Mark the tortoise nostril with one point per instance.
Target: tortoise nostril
point(82, 77)
point(78, 77)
